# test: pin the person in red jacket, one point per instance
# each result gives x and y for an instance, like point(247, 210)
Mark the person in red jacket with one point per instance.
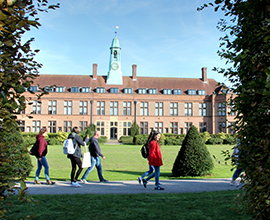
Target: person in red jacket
point(40, 155)
point(155, 160)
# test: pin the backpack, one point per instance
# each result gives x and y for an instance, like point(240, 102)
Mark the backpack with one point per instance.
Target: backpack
point(34, 150)
point(68, 146)
point(145, 151)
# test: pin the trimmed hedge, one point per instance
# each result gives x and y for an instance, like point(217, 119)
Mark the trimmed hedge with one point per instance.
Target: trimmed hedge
point(127, 139)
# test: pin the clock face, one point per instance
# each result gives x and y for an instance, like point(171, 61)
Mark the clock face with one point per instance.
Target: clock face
point(114, 66)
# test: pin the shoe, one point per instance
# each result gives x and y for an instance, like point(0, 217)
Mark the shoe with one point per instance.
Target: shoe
point(37, 182)
point(139, 180)
point(75, 184)
point(83, 181)
point(144, 182)
point(49, 182)
point(160, 184)
point(104, 181)
point(234, 183)
point(159, 188)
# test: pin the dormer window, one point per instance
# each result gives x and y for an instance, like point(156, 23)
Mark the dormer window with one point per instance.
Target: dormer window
point(167, 91)
point(152, 91)
point(85, 89)
point(49, 89)
point(201, 92)
point(59, 89)
point(34, 88)
point(191, 91)
point(142, 91)
point(177, 91)
point(100, 90)
point(114, 90)
point(74, 89)
point(128, 90)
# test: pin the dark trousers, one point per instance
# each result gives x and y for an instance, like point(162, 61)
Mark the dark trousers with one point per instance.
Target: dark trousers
point(75, 161)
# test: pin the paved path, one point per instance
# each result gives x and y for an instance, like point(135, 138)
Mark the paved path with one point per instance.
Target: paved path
point(132, 187)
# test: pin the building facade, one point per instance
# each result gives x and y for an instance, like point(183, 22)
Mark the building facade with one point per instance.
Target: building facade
point(114, 102)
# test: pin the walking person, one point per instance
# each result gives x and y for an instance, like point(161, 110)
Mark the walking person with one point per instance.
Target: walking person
point(239, 170)
point(95, 152)
point(75, 158)
point(155, 159)
point(42, 151)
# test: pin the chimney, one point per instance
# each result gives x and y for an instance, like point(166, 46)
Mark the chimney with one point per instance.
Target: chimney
point(134, 72)
point(94, 71)
point(204, 74)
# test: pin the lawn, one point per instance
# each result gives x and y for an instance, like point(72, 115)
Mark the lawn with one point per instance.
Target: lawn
point(124, 162)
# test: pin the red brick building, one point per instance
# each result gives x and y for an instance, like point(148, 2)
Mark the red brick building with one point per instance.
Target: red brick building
point(113, 102)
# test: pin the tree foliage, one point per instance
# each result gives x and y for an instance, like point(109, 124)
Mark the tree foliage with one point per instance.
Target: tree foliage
point(134, 130)
point(193, 158)
point(17, 71)
point(246, 46)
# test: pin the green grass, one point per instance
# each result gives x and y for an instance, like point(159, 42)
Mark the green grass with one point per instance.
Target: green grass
point(187, 206)
point(124, 162)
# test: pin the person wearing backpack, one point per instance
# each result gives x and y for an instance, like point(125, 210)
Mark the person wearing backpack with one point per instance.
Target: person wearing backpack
point(41, 152)
point(75, 158)
point(155, 159)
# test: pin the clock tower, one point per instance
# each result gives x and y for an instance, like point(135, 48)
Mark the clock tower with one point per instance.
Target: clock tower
point(114, 76)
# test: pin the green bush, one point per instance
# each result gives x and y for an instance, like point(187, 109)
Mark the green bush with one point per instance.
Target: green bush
point(102, 139)
point(173, 141)
point(54, 141)
point(141, 139)
point(193, 158)
point(205, 136)
point(214, 141)
point(229, 140)
point(127, 139)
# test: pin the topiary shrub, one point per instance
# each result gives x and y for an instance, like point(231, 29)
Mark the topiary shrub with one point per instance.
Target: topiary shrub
point(193, 158)
point(102, 139)
point(127, 139)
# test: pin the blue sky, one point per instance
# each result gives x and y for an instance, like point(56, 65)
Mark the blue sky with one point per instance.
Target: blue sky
point(164, 38)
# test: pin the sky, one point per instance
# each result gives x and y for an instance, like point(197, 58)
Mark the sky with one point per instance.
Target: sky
point(164, 38)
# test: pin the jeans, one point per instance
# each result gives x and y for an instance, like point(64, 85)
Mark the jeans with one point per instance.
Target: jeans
point(151, 169)
point(155, 174)
point(95, 161)
point(40, 163)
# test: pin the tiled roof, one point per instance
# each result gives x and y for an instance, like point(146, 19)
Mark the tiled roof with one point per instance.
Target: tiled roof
point(158, 83)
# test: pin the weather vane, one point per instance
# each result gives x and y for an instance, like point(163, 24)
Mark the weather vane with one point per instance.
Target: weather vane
point(116, 27)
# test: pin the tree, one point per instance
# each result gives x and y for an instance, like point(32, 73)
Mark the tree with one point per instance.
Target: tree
point(134, 130)
point(17, 71)
point(193, 158)
point(246, 46)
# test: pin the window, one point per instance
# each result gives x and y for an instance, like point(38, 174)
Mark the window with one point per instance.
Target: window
point(202, 126)
point(114, 108)
point(231, 111)
point(59, 129)
point(191, 91)
point(35, 126)
point(142, 91)
point(221, 108)
point(52, 107)
point(174, 127)
point(34, 88)
point(22, 126)
point(68, 107)
point(173, 108)
point(114, 90)
point(82, 125)
point(52, 126)
point(188, 109)
point(144, 108)
point(128, 90)
point(126, 128)
point(152, 91)
point(83, 107)
point(167, 91)
point(202, 109)
point(143, 127)
point(231, 126)
point(67, 126)
point(100, 90)
point(187, 126)
point(159, 109)
point(101, 127)
point(177, 91)
point(201, 92)
point(49, 89)
point(127, 108)
point(85, 89)
point(222, 127)
point(36, 107)
point(74, 89)
point(100, 108)
point(59, 89)
point(159, 127)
